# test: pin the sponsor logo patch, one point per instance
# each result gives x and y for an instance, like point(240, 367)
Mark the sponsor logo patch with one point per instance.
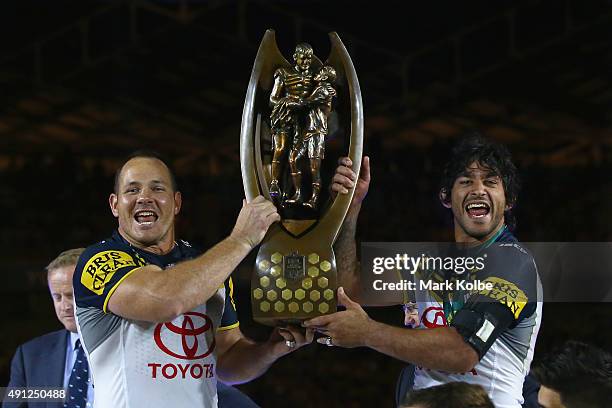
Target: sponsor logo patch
point(506, 293)
point(190, 329)
point(434, 317)
point(102, 266)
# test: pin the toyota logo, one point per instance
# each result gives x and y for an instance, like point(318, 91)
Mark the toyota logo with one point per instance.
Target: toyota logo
point(434, 317)
point(194, 325)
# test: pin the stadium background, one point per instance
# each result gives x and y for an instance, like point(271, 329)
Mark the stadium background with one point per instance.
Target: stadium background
point(84, 83)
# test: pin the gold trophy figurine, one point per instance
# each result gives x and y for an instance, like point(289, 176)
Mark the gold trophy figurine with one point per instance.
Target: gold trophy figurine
point(291, 86)
point(285, 120)
point(312, 139)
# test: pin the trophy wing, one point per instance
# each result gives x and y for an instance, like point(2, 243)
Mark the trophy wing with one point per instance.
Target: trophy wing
point(349, 96)
point(267, 61)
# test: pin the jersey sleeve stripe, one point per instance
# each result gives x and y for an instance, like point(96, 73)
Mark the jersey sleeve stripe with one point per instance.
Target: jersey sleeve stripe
point(231, 326)
point(112, 290)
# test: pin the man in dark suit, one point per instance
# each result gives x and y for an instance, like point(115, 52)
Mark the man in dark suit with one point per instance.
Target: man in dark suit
point(49, 360)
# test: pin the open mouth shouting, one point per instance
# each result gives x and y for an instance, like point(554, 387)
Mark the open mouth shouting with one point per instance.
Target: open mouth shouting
point(477, 209)
point(145, 218)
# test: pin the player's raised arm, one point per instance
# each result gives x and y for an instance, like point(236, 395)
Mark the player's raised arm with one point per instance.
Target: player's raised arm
point(345, 248)
point(152, 294)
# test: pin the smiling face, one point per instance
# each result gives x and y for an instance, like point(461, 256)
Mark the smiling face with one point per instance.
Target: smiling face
point(478, 203)
point(60, 287)
point(146, 204)
point(302, 57)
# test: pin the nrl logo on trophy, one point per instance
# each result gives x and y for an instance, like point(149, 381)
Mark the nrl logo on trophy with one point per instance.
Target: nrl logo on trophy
point(293, 113)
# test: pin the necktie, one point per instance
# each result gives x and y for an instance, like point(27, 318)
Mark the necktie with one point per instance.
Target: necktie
point(78, 381)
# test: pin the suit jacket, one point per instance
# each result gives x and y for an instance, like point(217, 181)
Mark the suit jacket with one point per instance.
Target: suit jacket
point(230, 397)
point(39, 362)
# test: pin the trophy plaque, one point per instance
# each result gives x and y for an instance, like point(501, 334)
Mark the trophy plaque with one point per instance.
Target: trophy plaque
point(291, 113)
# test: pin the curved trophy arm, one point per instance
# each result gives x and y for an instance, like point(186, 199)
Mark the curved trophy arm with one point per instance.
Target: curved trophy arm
point(267, 60)
point(339, 58)
point(247, 158)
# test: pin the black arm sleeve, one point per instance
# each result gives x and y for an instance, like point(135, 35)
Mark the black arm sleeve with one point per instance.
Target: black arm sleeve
point(481, 322)
point(511, 296)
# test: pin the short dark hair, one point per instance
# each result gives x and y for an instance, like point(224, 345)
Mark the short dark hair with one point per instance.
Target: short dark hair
point(579, 372)
point(494, 156)
point(147, 154)
point(450, 395)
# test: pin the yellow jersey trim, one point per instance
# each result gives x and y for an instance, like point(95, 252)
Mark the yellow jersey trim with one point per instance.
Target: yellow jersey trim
point(231, 326)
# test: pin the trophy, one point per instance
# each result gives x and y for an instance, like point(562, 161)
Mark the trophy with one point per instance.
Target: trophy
point(291, 112)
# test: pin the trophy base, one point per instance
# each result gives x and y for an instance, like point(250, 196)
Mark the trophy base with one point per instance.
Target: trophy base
point(294, 280)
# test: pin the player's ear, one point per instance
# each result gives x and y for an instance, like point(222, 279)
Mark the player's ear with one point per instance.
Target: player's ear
point(444, 197)
point(178, 202)
point(509, 204)
point(112, 202)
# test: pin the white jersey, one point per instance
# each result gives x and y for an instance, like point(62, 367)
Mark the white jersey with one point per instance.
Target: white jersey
point(502, 369)
point(141, 364)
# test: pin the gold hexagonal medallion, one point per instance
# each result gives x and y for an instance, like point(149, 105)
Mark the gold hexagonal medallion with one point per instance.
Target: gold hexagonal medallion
point(325, 266)
point(313, 258)
point(275, 270)
point(300, 294)
point(281, 283)
point(313, 271)
point(323, 308)
point(264, 281)
point(264, 306)
point(286, 294)
point(322, 282)
point(328, 294)
point(279, 306)
point(307, 283)
point(315, 295)
point(293, 307)
point(257, 293)
point(307, 307)
point(271, 295)
point(264, 264)
point(276, 257)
